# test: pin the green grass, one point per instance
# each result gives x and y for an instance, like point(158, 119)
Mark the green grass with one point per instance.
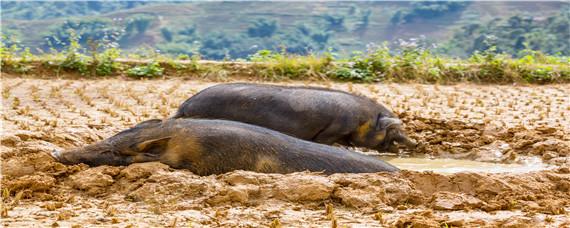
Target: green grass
point(282, 66)
point(378, 65)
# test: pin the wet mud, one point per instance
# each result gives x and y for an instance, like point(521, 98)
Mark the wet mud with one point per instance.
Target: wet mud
point(40, 116)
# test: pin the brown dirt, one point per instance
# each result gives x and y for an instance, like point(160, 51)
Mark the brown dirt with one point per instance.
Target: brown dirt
point(486, 123)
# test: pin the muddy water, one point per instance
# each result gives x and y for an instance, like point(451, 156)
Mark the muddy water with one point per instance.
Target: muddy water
point(447, 165)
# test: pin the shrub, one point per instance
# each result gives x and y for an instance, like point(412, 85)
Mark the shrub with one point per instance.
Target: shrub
point(150, 70)
point(107, 64)
point(74, 60)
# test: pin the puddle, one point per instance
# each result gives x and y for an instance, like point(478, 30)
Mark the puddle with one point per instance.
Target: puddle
point(447, 165)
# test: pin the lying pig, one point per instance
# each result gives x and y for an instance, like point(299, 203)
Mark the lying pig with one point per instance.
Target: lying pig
point(208, 147)
point(317, 114)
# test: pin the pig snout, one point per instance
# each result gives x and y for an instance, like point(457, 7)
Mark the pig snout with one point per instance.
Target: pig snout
point(55, 154)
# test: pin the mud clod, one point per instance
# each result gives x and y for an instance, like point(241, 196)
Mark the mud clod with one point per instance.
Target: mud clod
point(36, 182)
point(304, 188)
point(454, 201)
point(142, 170)
point(95, 180)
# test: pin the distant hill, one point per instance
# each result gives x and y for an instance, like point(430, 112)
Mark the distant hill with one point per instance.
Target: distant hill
point(218, 29)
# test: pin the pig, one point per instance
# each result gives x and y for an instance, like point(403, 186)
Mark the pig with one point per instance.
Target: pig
point(320, 115)
point(208, 147)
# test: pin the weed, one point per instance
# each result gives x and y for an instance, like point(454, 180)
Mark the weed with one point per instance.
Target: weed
point(106, 64)
point(275, 223)
point(378, 217)
point(74, 60)
point(4, 211)
point(334, 223)
point(150, 70)
point(329, 210)
point(111, 211)
point(173, 224)
point(281, 65)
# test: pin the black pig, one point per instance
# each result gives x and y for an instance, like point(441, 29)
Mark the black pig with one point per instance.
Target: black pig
point(208, 147)
point(316, 114)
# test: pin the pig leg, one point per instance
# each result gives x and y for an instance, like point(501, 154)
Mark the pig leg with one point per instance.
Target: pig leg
point(328, 136)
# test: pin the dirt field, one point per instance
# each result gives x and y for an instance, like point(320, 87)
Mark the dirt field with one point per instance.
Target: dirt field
point(500, 124)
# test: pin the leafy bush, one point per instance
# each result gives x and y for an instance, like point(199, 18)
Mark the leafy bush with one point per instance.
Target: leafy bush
point(106, 62)
point(150, 70)
point(352, 74)
point(74, 60)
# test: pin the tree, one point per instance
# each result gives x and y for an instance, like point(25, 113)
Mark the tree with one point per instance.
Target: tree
point(140, 23)
point(514, 35)
point(94, 29)
point(188, 30)
point(426, 10)
point(166, 34)
point(335, 22)
point(219, 45)
point(262, 28)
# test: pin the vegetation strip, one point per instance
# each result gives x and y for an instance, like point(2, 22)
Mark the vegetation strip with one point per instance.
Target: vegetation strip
point(381, 64)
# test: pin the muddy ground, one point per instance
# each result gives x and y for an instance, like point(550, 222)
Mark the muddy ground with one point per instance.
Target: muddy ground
point(500, 124)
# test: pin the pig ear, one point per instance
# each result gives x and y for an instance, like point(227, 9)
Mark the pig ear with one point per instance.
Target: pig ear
point(152, 146)
point(385, 123)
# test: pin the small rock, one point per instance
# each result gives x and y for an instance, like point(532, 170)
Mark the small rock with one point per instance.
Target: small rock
point(455, 223)
point(37, 182)
point(304, 188)
point(555, 145)
point(139, 171)
point(518, 222)
point(358, 198)
point(531, 205)
point(242, 193)
point(418, 221)
point(560, 161)
point(454, 201)
point(17, 168)
point(491, 130)
point(27, 135)
point(521, 144)
point(94, 180)
point(490, 153)
point(10, 140)
point(563, 186)
point(241, 177)
point(564, 169)
point(546, 130)
point(549, 155)
point(171, 186)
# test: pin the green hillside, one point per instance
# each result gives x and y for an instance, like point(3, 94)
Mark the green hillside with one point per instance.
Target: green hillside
point(237, 29)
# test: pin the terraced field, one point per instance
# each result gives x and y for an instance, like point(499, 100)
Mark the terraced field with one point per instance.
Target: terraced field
point(496, 124)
